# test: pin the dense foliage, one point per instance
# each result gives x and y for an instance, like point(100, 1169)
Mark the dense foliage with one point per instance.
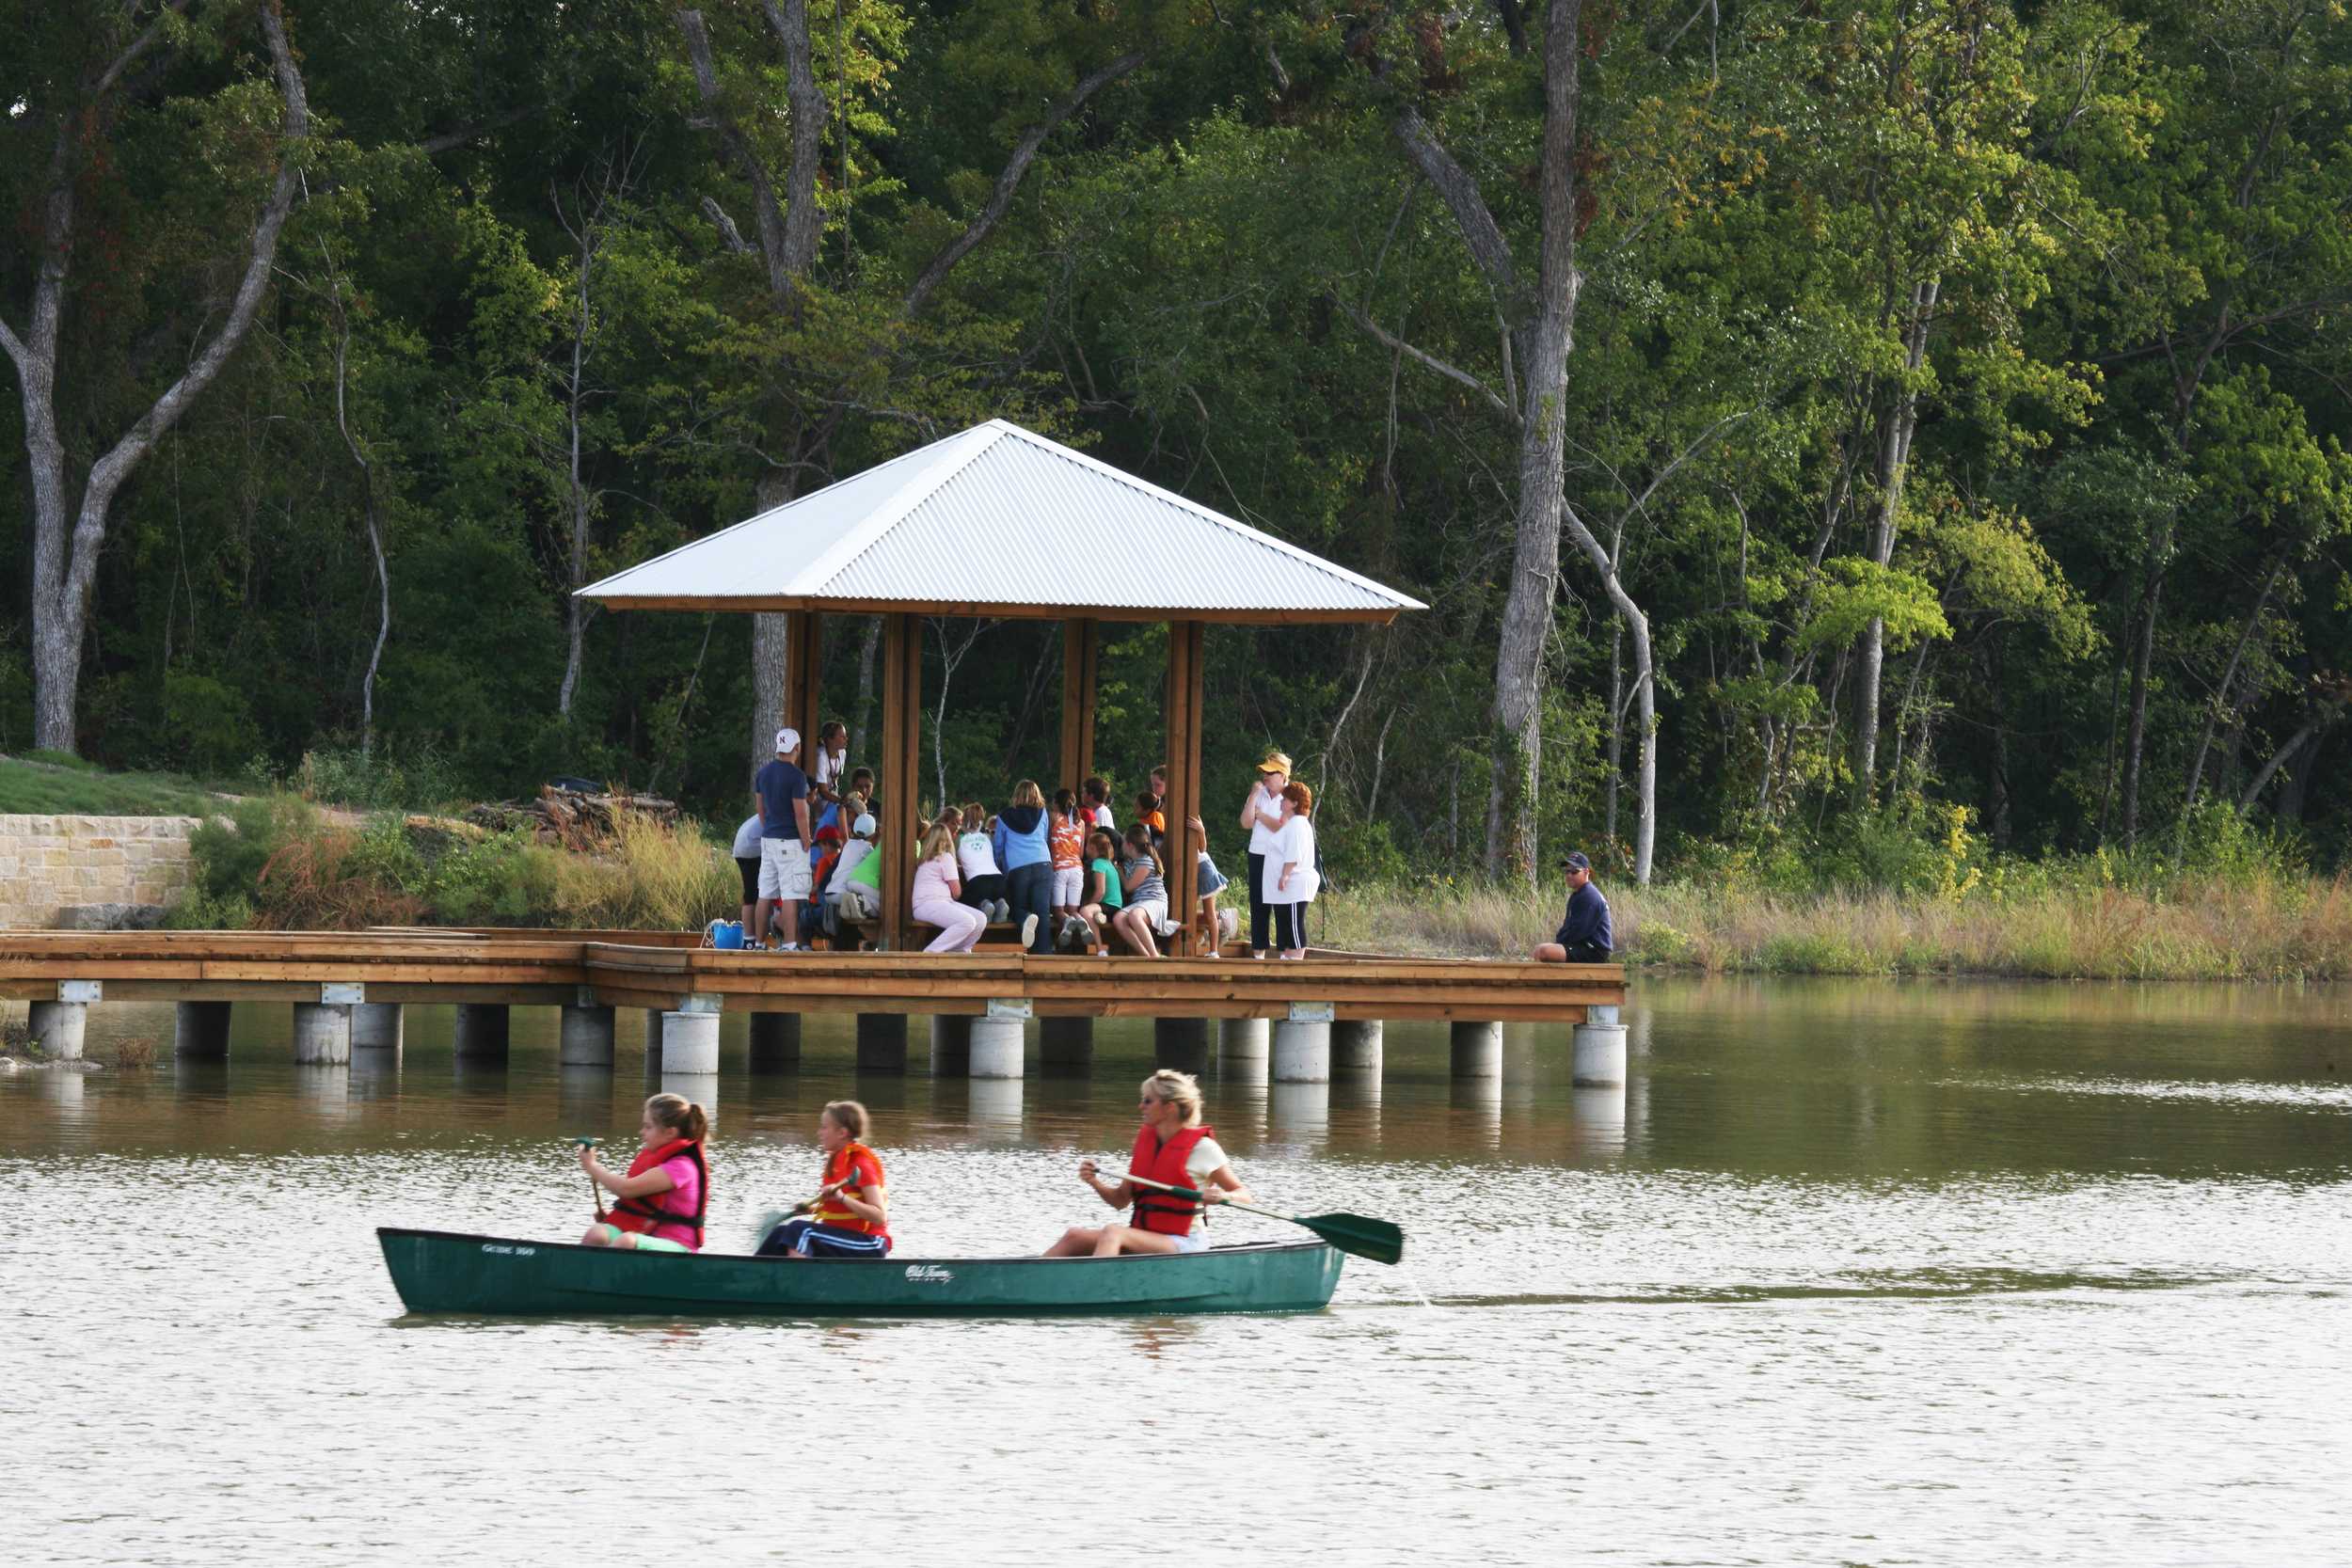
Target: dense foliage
point(2006, 343)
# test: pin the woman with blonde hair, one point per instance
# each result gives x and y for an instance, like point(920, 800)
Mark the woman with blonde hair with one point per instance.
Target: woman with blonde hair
point(936, 900)
point(1171, 1147)
point(1025, 848)
point(659, 1203)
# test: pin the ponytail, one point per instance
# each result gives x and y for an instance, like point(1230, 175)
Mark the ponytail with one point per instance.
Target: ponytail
point(680, 1115)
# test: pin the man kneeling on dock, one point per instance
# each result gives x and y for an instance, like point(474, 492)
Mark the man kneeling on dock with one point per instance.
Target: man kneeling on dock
point(1585, 936)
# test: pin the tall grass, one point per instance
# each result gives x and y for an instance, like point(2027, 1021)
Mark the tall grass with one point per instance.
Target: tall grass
point(2262, 927)
point(282, 864)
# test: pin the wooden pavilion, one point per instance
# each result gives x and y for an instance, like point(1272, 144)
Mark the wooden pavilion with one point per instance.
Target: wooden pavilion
point(953, 528)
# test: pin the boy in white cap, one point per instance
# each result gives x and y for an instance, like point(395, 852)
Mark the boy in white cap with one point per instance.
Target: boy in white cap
point(782, 792)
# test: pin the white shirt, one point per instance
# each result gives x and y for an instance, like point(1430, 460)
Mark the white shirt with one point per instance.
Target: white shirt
point(1269, 812)
point(747, 839)
point(1207, 1157)
point(830, 765)
point(1295, 842)
point(851, 852)
point(1102, 816)
point(977, 855)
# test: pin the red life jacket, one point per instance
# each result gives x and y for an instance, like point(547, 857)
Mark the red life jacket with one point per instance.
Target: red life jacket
point(842, 1167)
point(640, 1215)
point(1165, 1162)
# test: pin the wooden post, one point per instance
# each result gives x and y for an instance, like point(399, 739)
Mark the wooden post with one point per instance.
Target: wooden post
point(807, 677)
point(1081, 664)
point(901, 749)
point(1185, 702)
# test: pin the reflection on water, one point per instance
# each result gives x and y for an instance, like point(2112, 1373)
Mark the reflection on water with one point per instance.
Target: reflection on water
point(1846, 1272)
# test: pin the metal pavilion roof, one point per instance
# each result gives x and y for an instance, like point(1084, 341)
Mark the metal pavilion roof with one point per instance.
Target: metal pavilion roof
point(1000, 521)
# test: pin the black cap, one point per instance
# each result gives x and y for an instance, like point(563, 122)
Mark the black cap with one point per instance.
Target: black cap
point(1574, 861)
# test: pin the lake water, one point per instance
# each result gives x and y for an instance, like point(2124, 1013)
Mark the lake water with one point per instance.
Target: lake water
point(1851, 1274)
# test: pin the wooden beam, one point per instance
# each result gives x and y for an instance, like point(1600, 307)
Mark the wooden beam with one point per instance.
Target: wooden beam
point(1081, 669)
point(807, 677)
point(1181, 752)
point(902, 741)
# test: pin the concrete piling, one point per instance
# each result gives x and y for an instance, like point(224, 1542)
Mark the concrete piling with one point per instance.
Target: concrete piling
point(776, 1042)
point(882, 1042)
point(200, 1030)
point(1182, 1043)
point(378, 1026)
point(1302, 1052)
point(689, 1044)
point(321, 1033)
point(482, 1030)
point(996, 1048)
point(951, 1044)
point(1357, 1048)
point(1598, 1049)
point(1243, 1048)
point(1477, 1050)
point(1065, 1046)
point(58, 1028)
point(585, 1035)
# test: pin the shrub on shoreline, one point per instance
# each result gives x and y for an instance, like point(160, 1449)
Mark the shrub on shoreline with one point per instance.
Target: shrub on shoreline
point(277, 863)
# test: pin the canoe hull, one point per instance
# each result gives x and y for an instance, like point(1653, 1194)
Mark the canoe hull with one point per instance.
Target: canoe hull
point(439, 1271)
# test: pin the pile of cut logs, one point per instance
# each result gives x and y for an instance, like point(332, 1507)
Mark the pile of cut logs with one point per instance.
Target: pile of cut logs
point(573, 819)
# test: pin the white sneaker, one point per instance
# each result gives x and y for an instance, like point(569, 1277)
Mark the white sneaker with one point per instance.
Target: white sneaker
point(1028, 930)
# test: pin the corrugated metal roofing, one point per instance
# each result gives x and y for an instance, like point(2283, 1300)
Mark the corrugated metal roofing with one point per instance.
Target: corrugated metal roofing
point(999, 519)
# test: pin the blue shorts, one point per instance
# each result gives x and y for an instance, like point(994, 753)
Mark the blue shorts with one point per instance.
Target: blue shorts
point(808, 1239)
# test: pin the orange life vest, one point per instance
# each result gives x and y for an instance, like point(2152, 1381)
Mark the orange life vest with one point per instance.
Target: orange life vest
point(641, 1215)
point(1165, 1162)
point(842, 1167)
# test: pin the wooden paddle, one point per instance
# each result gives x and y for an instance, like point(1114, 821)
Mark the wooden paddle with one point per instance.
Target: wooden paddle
point(1354, 1234)
point(596, 1194)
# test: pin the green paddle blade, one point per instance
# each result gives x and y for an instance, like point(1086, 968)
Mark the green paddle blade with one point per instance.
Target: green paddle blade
point(1359, 1236)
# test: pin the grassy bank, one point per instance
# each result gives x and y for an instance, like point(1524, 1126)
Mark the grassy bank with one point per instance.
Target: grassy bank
point(47, 784)
point(278, 862)
point(2261, 928)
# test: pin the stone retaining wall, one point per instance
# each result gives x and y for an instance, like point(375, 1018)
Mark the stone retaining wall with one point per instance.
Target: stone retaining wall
point(89, 873)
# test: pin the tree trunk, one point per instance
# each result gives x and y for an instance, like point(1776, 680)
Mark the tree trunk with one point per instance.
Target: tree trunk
point(1616, 723)
point(2224, 699)
point(1902, 423)
point(2136, 727)
point(1513, 799)
point(1645, 693)
point(65, 568)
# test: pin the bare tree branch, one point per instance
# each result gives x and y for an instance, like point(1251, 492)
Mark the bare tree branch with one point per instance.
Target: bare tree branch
point(1008, 179)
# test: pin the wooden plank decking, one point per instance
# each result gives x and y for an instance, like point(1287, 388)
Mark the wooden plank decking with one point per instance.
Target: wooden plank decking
point(660, 970)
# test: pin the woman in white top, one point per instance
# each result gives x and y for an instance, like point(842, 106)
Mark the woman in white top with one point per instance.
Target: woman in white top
point(983, 879)
point(1290, 881)
point(833, 759)
point(935, 890)
point(1261, 814)
point(1171, 1147)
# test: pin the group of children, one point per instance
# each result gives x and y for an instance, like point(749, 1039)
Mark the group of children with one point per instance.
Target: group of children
point(1093, 883)
point(1060, 871)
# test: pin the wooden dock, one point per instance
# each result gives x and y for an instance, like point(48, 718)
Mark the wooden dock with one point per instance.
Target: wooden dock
point(666, 971)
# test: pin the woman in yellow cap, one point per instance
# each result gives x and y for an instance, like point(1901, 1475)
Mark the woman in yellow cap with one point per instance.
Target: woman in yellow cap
point(1261, 814)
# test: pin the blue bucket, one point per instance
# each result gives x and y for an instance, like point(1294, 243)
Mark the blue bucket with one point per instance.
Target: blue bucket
point(727, 934)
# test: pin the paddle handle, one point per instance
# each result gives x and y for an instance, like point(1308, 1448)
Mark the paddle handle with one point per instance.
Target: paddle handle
point(1198, 1196)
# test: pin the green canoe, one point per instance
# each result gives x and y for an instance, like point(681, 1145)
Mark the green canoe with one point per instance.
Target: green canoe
point(440, 1270)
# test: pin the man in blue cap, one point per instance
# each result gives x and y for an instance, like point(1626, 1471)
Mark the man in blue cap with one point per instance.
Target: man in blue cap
point(1585, 936)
